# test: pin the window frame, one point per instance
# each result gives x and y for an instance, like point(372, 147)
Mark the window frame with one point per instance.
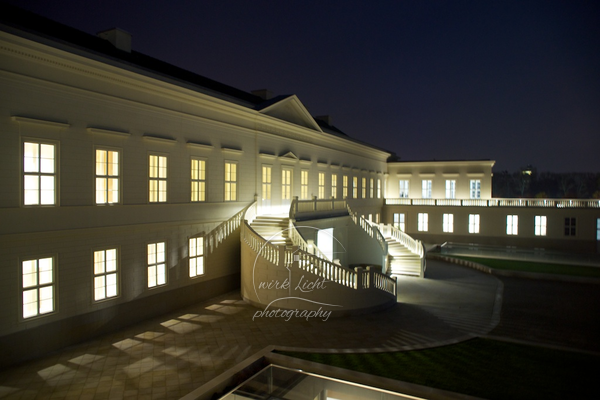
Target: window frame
point(106, 176)
point(540, 223)
point(55, 174)
point(194, 256)
point(400, 221)
point(426, 189)
point(404, 192)
point(448, 223)
point(105, 274)
point(345, 187)
point(475, 189)
point(158, 179)
point(423, 222)
point(474, 223)
point(321, 187)
point(363, 188)
point(355, 187)
point(512, 224)
point(570, 226)
point(230, 195)
point(304, 182)
point(450, 188)
point(156, 263)
point(200, 181)
point(53, 284)
point(334, 186)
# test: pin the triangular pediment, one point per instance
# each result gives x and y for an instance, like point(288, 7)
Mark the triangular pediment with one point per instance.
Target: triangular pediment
point(292, 110)
point(289, 155)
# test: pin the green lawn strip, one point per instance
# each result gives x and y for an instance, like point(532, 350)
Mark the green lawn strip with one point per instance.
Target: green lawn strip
point(479, 367)
point(538, 267)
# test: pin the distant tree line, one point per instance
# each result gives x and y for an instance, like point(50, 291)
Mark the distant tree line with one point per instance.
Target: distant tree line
point(528, 183)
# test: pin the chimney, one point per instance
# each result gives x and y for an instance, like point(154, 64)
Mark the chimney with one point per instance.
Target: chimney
point(118, 37)
point(264, 94)
point(325, 118)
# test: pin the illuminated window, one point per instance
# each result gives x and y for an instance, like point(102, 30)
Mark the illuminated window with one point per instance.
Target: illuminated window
point(399, 221)
point(473, 223)
point(426, 188)
point(157, 269)
point(404, 186)
point(286, 185)
point(266, 185)
point(363, 188)
point(303, 184)
point(196, 256)
point(371, 188)
point(321, 185)
point(39, 174)
point(38, 286)
point(157, 176)
point(512, 224)
point(448, 223)
point(107, 176)
point(334, 186)
point(345, 186)
point(378, 188)
point(570, 226)
point(355, 187)
point(105, 274)
point(198, 179)
point(230, 181)
point(475, 188)
point(423, 222)
point(598, 229)
point(450, 189)
point(540, 225)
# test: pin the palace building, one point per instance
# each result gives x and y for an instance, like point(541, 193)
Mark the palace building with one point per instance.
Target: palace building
point(132, 187)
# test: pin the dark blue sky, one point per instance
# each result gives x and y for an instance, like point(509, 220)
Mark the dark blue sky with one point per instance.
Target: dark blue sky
point(513, 81)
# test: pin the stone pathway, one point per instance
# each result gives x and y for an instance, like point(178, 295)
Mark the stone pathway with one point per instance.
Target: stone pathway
point(166, 358)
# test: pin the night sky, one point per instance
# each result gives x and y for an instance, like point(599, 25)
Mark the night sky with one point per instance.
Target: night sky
point(513, 81)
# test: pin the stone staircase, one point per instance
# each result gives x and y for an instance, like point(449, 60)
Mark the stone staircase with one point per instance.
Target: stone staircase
point(401, 260)
point(272, 228)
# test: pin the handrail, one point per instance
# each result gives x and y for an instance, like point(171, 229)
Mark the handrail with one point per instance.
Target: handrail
point(414, 245)
point(315, 205)
point(371, 230)
point(497, 202)
point(224, 229)
point(296, 237)
point(325, 269)
point(385, 283)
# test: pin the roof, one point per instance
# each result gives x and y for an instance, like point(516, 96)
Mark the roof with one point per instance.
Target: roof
point(32, 26)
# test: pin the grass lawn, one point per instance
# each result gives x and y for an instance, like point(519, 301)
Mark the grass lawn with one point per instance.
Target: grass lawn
point(480, 367)
point(539, 267)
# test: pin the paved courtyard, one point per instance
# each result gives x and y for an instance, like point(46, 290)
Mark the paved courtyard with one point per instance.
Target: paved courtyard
point(168, 357)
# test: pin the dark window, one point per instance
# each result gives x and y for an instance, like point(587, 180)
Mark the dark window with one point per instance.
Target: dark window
point(570, 226)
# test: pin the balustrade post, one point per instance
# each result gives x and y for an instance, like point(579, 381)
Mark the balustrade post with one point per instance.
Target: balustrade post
point(359, 278)
point(281, 251)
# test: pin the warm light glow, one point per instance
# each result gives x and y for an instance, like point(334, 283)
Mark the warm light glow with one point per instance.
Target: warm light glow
point(196, 256)
point(105, 274)
point(39, 169)
point(38, 285)
point(230, 181)
point(157, 174)
point(303, 184)
point(157, 274)
point(198, 176)
point(107, 176)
